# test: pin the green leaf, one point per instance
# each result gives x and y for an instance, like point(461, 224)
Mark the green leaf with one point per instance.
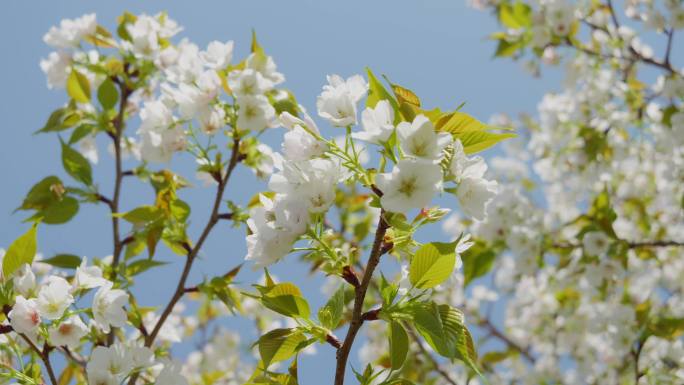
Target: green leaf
point(81, 132)
point(473, 134)
point(42, 194)
point(142, 214)
point(399, 344)
point(455, 330)
point(477, 261)
point(460, 122)
point(76, 165)
point(476, 141)
point(60, 211)
point(443, 328)
point(180, 210)
point(78, 87)
point(507, 48)
point(255, 47)
point(432, 264)
point(65, 261)
point(107, 94)
point(286, 298)
point(56, 121)
point(142, 265)
point(377, 92)
point(331, 314)
point(279, 345)
point(21, 251)
point(516, 16)
point(428, 322)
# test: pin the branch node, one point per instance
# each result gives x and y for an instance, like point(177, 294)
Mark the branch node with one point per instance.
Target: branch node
point(371, 315)
point(332, 340)
point(349, 275)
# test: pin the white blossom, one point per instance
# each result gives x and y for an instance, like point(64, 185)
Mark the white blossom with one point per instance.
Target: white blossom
point(411, 184)
point(68, 332)
point(56, 67)
point(255, 113)
point(419, 139)
point(108, 307)
point(337, 102)
point(218, 55)
point(71, 31)
point(596, 243)
point(24, 280)
point(54, 297)
point(378, 123)
point(88, 277)
point(24, 316)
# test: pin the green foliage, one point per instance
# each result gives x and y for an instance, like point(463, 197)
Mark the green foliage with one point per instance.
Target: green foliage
point(220, 287)
point(59, 120)
point(107, 94)
point(331, 313)
point(279, 345)
point(76, 165)
point(443, 328)
point(432, 264)
point(64, 261)
point(141, 215)
point(48, 198)
point(602, 213)
point(377, 92)
point(399, 344)
point(473, 134)
point(21, 251)
point(141, 266)
point(78, 87)
point(285, 298)
point(477, 261)
point(515, 16)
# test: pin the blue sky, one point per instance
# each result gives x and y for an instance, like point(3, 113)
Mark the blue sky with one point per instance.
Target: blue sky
point(437, 48)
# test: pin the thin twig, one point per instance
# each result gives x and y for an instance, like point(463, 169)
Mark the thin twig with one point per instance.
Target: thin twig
point(193, 251)
point(360, 296)
point(493, 331)
point(192, 254)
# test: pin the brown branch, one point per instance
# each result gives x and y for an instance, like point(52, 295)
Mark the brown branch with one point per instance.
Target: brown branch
point(118, 177)
point(360, 296)
point(668, 49)
point(371, 315)
point(193, 251)
point(334, 341)
point(192, 254)
point(44, 355)
point(493, 331)
point(631, 245)
point(73, 356)
point(225, 216)
point(349, 275)
point(636, 353)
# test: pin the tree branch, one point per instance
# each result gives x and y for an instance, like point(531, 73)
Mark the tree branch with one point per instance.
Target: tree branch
point(194, 250)
point(192, 254)
point(493, 331)
point(360, 295)
point(118, 177)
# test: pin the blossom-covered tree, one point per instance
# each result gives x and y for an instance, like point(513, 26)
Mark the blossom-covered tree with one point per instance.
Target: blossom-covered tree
point(350, 206)
point(562, 263)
